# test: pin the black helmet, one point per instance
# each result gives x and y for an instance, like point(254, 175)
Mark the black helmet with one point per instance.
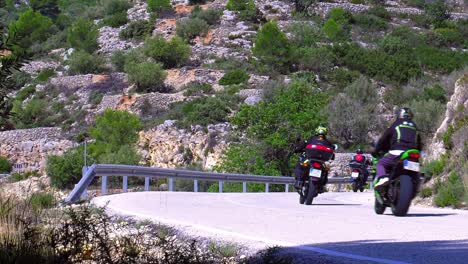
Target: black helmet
point(404, 113)
point(359, 151)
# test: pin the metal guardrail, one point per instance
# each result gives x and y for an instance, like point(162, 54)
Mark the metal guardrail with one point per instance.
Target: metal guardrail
point(106, 170)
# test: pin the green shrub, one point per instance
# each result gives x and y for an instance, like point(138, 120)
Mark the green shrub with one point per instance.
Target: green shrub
point(190, 28)
point(48, 8)
point(451, 192)
point(435, 167)
point(426, 192)
point(137, 30)
point(392, 45)
point(239, 5)
point(210, 16)
point(435, 92)
point(445, 37)
point(334, 31)
point(370, 22)
point(65, 171)
point(436, 12)
point(234, 77)
point(427, 115)
point(173, 53)
point(16, 177)
point(36, 113)
point(200, 111)
point(45, 74)
point(408, 36)
point(24, 93)
point(247, 10)
point(340, 15)
point(112, 7)
point(305, 34)
point(340, 78)
point(116, 20)
point(115, 134)
point(82, 62)
point(197, 89)
point(272, 47)
point(380, 11)
point(314, 59)
point(118, 59)
point(83, 36)
point(147, 76)
point(440, 60)
point(5, 166)
point(31, 27)
point(42, 200)
point(95, 97)
point(159, 5)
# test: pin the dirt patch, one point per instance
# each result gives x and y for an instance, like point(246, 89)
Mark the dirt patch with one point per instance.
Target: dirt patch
point(126, 101)
point(100, 78)
point(206, 39)
point(165, 27)
point(178, 78)
point(184, 9)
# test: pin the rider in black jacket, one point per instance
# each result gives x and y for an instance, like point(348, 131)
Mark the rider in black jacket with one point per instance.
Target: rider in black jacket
point(401, 136)
point(301, 171)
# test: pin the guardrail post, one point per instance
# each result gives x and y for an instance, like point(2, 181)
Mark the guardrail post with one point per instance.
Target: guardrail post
point(220, 186)
point(339, 187)
point(267, 187)
point(244, 187)
point(84, 194)
point(195, 185)
point(171, 184)
point(125, 183)
point(286, 189)
point(147, 183)
point(104, 185)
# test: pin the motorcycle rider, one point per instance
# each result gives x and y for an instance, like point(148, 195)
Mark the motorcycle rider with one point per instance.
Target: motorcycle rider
point(401, 136)
point(302, 169)
point(361, 159)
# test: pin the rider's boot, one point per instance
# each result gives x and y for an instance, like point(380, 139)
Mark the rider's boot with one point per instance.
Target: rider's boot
point(381, 183)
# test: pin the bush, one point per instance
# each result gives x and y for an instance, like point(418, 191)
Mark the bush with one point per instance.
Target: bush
point(197, 89)
point(116, 20)
point(16, 177)
point(451, 192)
point(440, 60)
point(340, 15)
point(5, 166)
point(436, 12)
point(118, 60)
point(305, 35)
point(174, 53)
point(435, 92)
point(45, 74)
point(247, 10)
point(159, 6)
point(234, 77)
point(392, 45)
point(147, 76)
point(83, 36)
point(65, 171)
point(42, 200)
point(210, 16)
point(137, 30)
point(426, 192)
point(435, 167)
point(112, 7)
point(272, 47)
point(370, 22)
point(334, 31)
point(31, 27)
point(314, 59)
point(380, 11)
point(190, 28)
point(201, 111)
point(82, 62)
point(427, 115)
point(36, 113)
point(95, 97)
point(445, 37)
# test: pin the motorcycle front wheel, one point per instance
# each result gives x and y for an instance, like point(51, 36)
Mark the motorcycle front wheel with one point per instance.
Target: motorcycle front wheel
point(310, 193)
point(378, 207)
point(403, 200)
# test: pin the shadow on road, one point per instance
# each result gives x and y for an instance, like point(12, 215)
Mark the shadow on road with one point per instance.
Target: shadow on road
point(333, 204)
point(438, 251)
point(427, 215)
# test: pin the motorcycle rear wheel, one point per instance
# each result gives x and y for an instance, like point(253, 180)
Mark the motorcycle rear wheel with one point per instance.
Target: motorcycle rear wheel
point(355, 187)
point(405, 194)
point(310, 193)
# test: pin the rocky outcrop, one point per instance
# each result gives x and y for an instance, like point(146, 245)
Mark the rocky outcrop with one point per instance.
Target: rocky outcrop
point(109, 40)
point(166, 146)
point(457, 108)
point(35, 67)
point(28, 149)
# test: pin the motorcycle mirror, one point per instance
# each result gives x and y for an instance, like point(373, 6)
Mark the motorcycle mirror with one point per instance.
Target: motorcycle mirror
point(336, 146)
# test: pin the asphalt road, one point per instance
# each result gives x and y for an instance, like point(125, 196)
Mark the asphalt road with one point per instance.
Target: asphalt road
point(338, 225)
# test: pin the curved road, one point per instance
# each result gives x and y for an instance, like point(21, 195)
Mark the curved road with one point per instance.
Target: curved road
point(339, 226)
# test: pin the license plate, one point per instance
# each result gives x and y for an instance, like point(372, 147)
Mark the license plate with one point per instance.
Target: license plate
point(410, 165)
point(315, 173)
point(355, 174)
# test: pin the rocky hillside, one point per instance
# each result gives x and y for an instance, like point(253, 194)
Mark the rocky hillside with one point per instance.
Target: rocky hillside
point(223, 84)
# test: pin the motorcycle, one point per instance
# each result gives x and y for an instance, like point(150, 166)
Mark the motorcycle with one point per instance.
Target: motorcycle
point(314, 182)
point(357, 176)
point(405, 183)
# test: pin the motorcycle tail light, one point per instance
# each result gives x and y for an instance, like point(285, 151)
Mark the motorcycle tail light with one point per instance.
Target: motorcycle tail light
point(358, 157)
point(316, 165)
point(414, 156)
point(355, 170)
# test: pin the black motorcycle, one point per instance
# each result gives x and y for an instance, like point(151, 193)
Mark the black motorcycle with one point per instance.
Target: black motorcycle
point(357, 175)
point(404, 185)
point(315, 181)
